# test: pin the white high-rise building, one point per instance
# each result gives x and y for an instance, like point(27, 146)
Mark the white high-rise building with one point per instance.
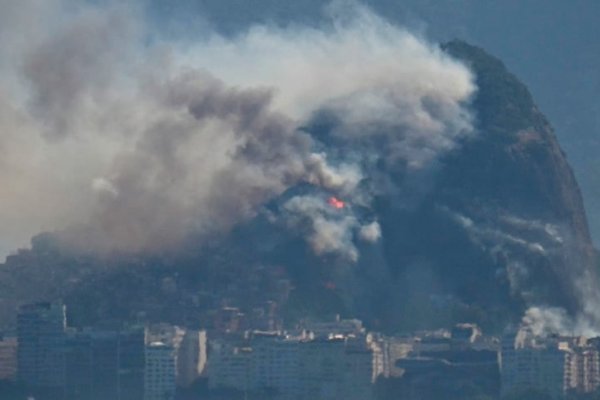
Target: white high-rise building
point(160, 372)
point(582, 369)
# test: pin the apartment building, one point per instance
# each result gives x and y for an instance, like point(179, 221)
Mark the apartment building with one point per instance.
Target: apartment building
point(8, 358)
point(41, 343)
point(160, 371)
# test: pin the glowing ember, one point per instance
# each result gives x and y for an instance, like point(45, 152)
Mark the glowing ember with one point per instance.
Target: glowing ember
point(335, 202)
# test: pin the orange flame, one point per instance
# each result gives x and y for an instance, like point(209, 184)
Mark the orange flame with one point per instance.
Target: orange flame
point(336, 203)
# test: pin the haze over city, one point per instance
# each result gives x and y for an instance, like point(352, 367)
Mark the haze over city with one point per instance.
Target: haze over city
point(341, 199)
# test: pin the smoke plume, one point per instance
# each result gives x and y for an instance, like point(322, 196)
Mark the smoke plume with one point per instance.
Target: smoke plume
point(125, 141)
point(128, 142)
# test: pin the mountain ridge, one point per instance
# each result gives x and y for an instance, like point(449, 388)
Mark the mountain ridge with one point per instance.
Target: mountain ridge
point(500, 227)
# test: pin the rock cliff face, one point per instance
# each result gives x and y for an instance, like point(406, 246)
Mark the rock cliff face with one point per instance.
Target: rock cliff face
point(496, 228)
point(519, 156)
point(505, 223)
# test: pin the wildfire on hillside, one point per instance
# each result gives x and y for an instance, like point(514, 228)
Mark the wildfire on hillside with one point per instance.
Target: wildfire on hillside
point(336, 203)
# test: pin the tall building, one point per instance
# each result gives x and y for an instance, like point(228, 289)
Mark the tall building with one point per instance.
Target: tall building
point(302, 367)
point(104, 364)
point(582, 368)
point(101, 364)
point(41, 340)
point(131, 363)
point(361, 360)
point(69, 364)
point(78, 366)
point(337, 367)
point(556, 365)
point(8, 358)
point(160, 372)
point(275, 364)
point(530, 363)
point(229, 364)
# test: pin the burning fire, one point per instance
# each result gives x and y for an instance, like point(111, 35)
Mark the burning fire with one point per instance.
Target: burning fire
point(336, 203)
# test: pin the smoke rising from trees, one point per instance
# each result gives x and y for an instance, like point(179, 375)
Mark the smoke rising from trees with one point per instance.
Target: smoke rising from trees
point(130, 144)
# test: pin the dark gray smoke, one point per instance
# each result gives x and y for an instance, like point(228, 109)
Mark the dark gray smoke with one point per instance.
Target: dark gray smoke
point(137, 145)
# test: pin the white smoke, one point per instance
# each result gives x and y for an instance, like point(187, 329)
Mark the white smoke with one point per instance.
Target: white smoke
point(139, 144)
point(370, 232)
point(546, 320)
point(330, 230)
point(343, 178)
point(543, 321)
point(500, 237)
point(102, 185)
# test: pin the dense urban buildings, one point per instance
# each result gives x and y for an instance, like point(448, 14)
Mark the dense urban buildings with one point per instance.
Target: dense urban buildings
point(295, 367)
point(8, 357)
point(104, 364)
point(557, 365)
point(88, 364)
point(313, 360)
point(450, 364)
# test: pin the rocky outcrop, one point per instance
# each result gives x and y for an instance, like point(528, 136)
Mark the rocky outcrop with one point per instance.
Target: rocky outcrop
point(511, 191)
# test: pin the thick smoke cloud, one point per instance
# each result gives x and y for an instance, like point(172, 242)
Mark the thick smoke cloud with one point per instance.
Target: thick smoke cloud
point(71, 73)
point(123, 141)
point(126, 143)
